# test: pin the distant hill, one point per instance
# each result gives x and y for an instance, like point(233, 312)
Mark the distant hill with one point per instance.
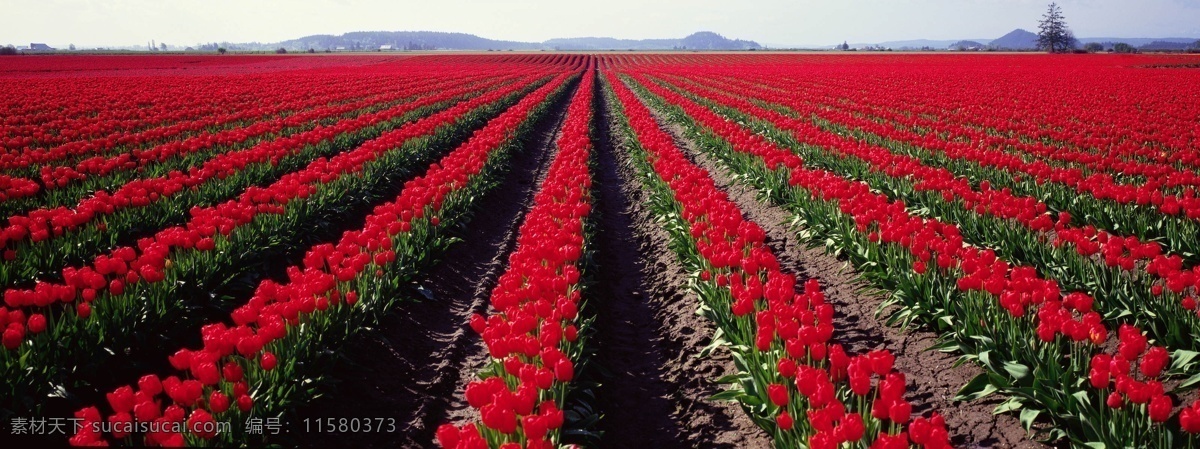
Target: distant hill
point(704, 40)
point(415, 40)
point(1167, 45)
point(1021, 39)
point(609, 43)
point(917, 44)
point(1139, 41)
point(1017, 39)
point(966, 45)
point(433, 40)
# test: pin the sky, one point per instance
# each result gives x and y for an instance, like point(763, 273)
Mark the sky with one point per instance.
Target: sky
point(91, 23)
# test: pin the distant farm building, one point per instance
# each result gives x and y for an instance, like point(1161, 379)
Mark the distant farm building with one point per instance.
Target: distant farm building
point(40, 47)
point(385, 48)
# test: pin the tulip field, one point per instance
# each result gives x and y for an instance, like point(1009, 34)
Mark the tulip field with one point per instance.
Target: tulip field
point(542, 250)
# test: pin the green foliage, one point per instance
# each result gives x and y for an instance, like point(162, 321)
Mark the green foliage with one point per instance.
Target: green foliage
point(1054, 36)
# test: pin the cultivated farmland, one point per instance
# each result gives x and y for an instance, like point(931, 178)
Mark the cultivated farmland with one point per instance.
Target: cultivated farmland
point(619, 250)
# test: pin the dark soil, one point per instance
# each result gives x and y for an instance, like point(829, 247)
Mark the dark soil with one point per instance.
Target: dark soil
point(933, 380)
point(654, 391)
point(414, 368)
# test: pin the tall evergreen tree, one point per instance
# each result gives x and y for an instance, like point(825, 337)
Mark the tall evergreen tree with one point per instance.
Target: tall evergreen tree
point(1054, 36)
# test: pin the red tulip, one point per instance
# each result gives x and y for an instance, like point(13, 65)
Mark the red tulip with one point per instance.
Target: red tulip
point(150, 384)
point(852, 428)
point(1154, 361)
point(37, 323)
point(1160, 408)
point(784, 421)
point(12, 338)
point(232, 372)
point(245, 403)
point(1114, 400)
point(448, 436)
point(502, 419)
point(83, 310)
point(564, 370)
point(146, 411)
point(900, 412)
point(121, 424)
point(121, 399)
point(535, 427)
point(206, 373)
point(201, 424)
point(218, 402)
point(1189, 418)
point(786, 367)
point(778, 394)
point(1099, 377)
point(881, 361)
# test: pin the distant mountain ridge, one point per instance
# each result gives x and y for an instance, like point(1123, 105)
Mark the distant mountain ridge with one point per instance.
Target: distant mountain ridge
point(1017, 39)
point(922, 43)
point(967, 45)
point(1021, 39)
point(1139, 41)
point(434, 40)
point(704, 40)
point(416, 40)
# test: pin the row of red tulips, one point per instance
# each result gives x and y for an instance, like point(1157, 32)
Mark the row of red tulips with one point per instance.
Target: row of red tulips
point(988, 300)
point(66, 183)
point(534, 336)
point(1114, 161)
point(100, 120)
point(1115, 205)
point(46, 219)
point(1123, 297)
point(1161, 135)
point(1106, 175)
point(338, 286)
point(303, 112)
point(46, 239)
point(155, 285)
point(1024, 97)
point(1153, 142)
point(147, 261)
point(797, 383)
point(16, 187)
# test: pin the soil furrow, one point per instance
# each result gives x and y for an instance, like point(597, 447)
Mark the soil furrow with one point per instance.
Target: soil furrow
point(654, 389)
point(415, 365)
point(933, 380)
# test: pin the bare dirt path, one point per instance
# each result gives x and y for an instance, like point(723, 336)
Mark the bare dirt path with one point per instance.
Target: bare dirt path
point(654, 391)
point(933, 379)
point(416, 364)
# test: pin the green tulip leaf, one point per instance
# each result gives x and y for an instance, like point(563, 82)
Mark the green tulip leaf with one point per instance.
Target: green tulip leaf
point(1028, 417)
point(1010, 405)
point(978, 387)
point(1189, 383)
point(731, 395)
point(1016, 370)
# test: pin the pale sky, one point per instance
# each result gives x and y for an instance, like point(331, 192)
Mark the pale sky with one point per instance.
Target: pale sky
point(89, 23)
